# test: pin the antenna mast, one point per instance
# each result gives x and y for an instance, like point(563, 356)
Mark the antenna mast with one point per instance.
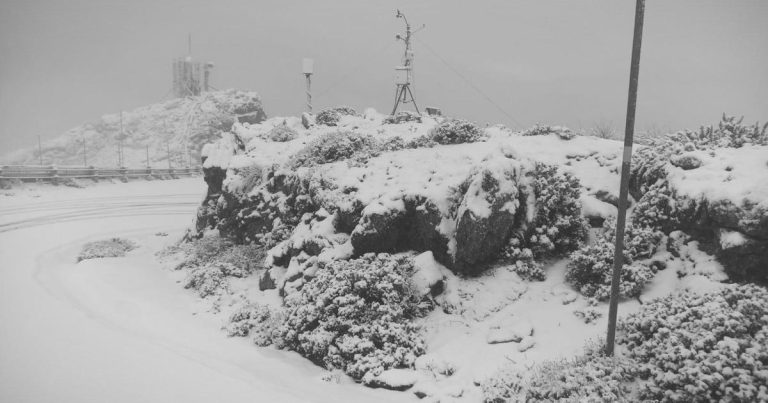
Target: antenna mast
point(404, 73)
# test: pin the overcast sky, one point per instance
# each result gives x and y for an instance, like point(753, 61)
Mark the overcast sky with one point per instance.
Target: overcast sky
point(561, 62)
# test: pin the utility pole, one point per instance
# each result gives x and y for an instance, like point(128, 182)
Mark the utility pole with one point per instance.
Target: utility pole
point(404, 73)
point(120, 143)
point(85, 157)
point(307, 68)
point(629, 130)
point(168, 149)
point(147, 155)
point(40, 149)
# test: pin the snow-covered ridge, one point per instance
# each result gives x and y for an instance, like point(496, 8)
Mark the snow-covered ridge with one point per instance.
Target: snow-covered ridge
point(179, 124)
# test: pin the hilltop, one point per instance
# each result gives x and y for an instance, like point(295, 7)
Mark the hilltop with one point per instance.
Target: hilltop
point(179, 124)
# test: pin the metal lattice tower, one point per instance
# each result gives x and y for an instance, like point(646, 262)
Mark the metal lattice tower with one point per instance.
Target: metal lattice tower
point(404, 73)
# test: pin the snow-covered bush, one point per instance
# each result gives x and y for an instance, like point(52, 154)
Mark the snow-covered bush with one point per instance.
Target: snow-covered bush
point(403, 117)
point(207, 280)
point(504, 386)
point(356, 316)
point(543, 130)
point(592, 377)
point(657, 208)
point(421, 142)
point(336, 146)
point(331, 116)
point(589, 378)
point(260, 322)
point(201, 251)
point(394, 143)
point(702, 347)
point(730, 132)
point(252, 177)
point(456, 131)
point(114, 247)
point(558, 226)
point(282, 133)
point(591, 267)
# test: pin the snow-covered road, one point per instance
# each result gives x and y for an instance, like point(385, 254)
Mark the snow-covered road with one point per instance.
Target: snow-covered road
point(122, 330)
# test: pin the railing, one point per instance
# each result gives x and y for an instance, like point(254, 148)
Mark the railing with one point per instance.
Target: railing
point(52, 172)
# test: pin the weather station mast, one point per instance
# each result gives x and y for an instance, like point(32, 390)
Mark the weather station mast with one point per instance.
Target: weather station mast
point(404, 73)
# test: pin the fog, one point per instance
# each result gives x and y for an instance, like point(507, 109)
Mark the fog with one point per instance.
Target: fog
point(518, 62)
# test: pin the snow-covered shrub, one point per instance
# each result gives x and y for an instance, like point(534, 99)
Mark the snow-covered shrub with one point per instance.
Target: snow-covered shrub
point(331, 116)
point(201, 251)
point(657, 208)
point(591, 267)
point(356, 316)
point(588, 315)
point(114, 247)
point(730, 132)
point(589, 378)
point(558, 226)
point(543, 130)
point(403, 117)
point(252, 177)
point(241, 260)
point(336, 146)
point(702, 347)
point(394, 143)
point(260, 322)
point(592, 377)
point(456, 131)
point(207, 280)
point(504, 386)
point(522, 261)
point(282, 133)
point(421, 142)
point(640, 241)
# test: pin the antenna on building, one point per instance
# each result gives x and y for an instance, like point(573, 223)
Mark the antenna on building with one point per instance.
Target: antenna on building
point(404, 73)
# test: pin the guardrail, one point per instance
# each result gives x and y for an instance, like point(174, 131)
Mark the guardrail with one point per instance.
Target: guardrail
point(52, 172)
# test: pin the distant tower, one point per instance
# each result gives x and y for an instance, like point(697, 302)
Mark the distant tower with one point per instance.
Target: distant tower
point(190, 77)
point(404, 73)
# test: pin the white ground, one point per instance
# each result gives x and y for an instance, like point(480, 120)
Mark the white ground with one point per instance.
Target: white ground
point(122, 330)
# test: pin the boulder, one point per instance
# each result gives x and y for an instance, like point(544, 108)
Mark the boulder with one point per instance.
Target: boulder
point(485, 217)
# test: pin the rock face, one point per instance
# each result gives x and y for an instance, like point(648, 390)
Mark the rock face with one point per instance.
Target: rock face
point(486, 217)
point(719, 198)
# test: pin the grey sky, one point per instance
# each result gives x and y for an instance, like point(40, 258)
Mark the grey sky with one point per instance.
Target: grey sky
point(562, 62)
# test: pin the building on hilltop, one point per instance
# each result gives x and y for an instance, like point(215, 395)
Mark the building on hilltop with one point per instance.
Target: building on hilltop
point(190, 77)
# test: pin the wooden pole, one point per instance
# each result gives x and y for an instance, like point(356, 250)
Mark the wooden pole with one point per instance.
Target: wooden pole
point(85, 157)
point(618, 256)
point(147, 156)
point(40, 149)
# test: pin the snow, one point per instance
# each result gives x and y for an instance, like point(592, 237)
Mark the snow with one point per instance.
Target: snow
point(123, 329)
point(731, 239)
point(427, 272)
point(727, 174)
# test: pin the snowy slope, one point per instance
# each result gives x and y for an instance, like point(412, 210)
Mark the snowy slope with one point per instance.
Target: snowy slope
point(178, 124)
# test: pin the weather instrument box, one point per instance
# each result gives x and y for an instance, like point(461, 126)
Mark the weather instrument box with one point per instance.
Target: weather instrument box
point(307, 65)
point(402, 75)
